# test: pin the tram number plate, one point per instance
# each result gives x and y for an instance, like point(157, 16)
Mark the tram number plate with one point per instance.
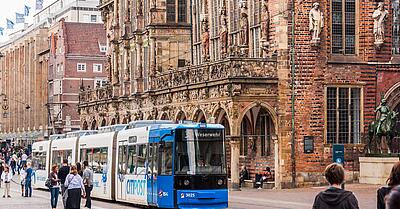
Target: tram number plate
point(191, 195)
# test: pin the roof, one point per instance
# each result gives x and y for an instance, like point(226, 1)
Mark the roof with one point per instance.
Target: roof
point(84, 38)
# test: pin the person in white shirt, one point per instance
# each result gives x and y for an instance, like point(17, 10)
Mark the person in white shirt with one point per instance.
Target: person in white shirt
point(74, 189)
point(6, 177)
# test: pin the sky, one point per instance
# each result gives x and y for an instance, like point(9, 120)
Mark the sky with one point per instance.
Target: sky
point(8, 9)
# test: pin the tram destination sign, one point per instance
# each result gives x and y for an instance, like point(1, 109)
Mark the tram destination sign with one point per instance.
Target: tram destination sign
point(204, 134)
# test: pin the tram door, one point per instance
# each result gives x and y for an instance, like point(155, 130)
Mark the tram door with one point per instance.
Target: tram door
point(122, 169)
point(152, 174)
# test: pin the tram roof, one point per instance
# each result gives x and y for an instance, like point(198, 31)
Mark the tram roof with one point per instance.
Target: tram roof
point(187, 126)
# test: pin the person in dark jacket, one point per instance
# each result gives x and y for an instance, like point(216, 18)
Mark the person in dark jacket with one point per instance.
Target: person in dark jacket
point(392, 181)
point(55, 186)
point(62, 174)
point(335, 197)
point(243, 175)
point(393, 199)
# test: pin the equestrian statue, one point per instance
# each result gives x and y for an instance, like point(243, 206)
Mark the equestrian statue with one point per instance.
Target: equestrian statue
point(383, 126)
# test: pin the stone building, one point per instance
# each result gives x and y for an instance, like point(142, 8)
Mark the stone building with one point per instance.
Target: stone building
point(239, 63)
point(24, 65)
point(64, 39)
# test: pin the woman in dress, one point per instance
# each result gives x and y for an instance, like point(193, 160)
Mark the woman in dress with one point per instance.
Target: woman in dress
point(74, 189)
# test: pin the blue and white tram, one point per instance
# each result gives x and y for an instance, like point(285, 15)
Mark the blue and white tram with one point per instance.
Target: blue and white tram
point(98, 150)
point(40, 163)
point(66, 148)
point(172, 166)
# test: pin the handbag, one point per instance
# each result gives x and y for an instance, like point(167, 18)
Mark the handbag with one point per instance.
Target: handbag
point(47, 183)
point(65, 195)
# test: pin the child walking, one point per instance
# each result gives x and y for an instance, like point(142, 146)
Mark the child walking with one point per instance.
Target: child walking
point(6, 177)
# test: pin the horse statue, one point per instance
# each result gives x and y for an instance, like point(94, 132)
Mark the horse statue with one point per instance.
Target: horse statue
point(382, 127)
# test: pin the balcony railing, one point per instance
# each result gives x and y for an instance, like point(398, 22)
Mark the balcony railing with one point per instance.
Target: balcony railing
point(226, 69)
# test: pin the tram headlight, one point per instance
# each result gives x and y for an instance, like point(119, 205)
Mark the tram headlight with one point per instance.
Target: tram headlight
point(220, 182)
point(186, 182)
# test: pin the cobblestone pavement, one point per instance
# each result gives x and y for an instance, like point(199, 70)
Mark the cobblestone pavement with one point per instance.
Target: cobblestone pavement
point(245, 199)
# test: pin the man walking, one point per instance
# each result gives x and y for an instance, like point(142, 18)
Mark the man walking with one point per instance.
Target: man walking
point(28, 181)
point(88, 182)
point(62, 174)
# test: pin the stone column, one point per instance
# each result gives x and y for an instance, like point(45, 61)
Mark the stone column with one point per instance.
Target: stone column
point(276, 159)
point(235, 153)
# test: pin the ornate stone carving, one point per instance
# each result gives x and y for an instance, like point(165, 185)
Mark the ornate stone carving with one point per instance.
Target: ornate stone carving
point(380, 16)
point(265, 24)
point(205, 41)
point(316, 19)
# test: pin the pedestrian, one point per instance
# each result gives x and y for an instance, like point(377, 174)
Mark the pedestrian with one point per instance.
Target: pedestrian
point(392, 181)
point(1, 167)
point(22, 177)
point(28, 180)
point(62, 174)
point(243, 175)
point(13, 164)
point(55, 186)
point(88, 182)
point(79, 167)
point(335, 197)
point(393, 199)
point(74, 189)
point(24, 158)
point(6, 177)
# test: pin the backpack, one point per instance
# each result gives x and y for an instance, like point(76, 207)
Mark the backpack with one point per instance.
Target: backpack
point(47, 183)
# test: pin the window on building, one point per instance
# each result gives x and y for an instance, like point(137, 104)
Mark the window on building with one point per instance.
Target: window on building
point(343, 26)
point(396, 26)
point(103, 48)
point(93, 18)
point(100, 82)
point(57, 87)
point(343, 115)
point(255, 28)
point(97, 68)
point(81, 67)
point(177, 11)
point(86, 18)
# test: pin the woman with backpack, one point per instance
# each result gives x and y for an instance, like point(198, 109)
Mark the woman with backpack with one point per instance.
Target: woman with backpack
point(54, 186)
point(74, 189)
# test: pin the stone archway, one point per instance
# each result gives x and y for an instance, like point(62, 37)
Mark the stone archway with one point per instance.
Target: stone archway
point(180, 116)
point(392, 97)
point(85, 125)
point(164, 116)
point(125, 121)
point(113, 121)
point(103, 122)
point(93, 126)
point(257, 131)
point(221, 117)
point(199, 116)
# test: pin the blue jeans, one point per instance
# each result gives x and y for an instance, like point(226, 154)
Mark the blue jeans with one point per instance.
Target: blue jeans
point(28, 188)
point(54, 196)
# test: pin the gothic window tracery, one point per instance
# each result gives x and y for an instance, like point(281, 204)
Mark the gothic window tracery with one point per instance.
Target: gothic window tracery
point(396, 26)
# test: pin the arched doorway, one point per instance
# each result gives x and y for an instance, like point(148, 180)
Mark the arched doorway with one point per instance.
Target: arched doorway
point(180, 116)
point(392, 97)
point(164, 116)
point(94, 125)
point(103, 122)
point(256, 145)
point(113, 121)
point(85, 125)
point(222, 118)
point(396, 140)
point(199, 116)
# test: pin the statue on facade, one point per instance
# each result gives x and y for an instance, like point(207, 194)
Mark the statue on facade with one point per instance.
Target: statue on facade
point(223, 34)
point(244, 29)
point(383, 126)
point(265, 22)
point(205, 40)
point(316, 19)
point(380, 16)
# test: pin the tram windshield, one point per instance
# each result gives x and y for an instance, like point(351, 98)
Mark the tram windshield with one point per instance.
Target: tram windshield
point(200, 151)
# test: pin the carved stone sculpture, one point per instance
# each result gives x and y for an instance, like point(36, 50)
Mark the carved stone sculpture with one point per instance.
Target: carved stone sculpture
point(265, 22)
point(316, 18)
point(380, 15)
point(223, 34)
point(205, 40)
point(244, 30)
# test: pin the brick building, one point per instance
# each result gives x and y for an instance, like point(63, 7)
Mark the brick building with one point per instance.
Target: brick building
point(76, 60)
point(270, 86)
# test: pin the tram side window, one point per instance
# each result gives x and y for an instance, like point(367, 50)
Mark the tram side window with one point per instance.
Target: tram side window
point(39, 161)
point(122, 159)
point(141, 159)
point(166, 159)
point(59, 155)
point(132, 157)
point(97, 159)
